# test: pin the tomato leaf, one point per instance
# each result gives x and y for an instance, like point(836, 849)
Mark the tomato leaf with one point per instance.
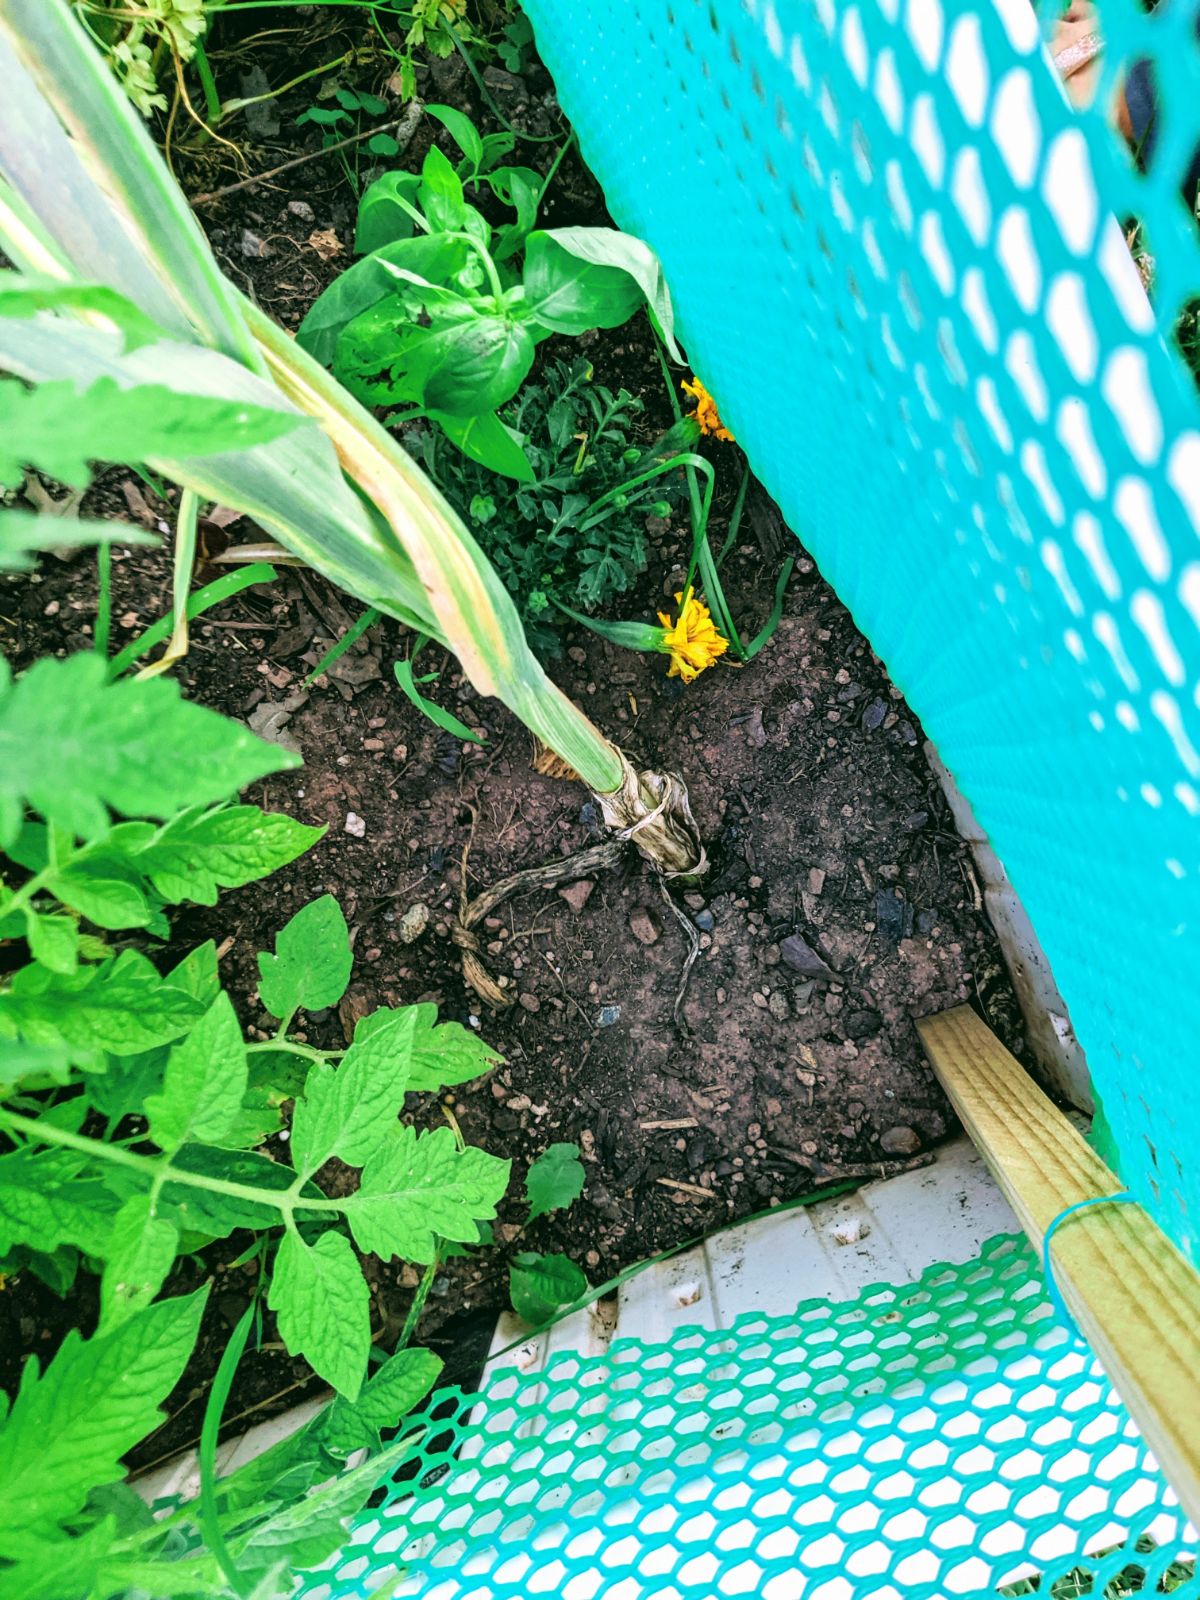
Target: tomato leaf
point(312, 961)
point(554, 1180)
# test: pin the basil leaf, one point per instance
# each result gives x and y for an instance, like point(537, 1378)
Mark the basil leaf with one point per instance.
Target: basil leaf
point(488, 440)
point(381, 218)
point(568, 294)
point(474, 364)
point(431, 258)
point(462, 130)
point(440, 195)
point(608, 248)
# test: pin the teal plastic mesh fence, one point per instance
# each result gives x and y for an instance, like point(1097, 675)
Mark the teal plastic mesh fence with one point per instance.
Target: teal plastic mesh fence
point(899, 262)
point(949, 1438)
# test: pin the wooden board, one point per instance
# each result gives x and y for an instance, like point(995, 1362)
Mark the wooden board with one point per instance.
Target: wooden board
point(1135, 1298)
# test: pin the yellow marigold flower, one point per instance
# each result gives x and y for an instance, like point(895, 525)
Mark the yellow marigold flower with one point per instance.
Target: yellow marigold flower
point(706, 413)
point(693, 642)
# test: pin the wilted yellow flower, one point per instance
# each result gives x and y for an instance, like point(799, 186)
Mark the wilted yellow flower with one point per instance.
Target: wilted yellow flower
point(706, 413)
point(693, 642)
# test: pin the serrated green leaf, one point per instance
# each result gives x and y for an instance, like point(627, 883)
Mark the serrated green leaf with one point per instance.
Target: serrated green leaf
point(127, 1082)
point(45, 1202)
point(312, 961)
point(443, 1053)
point(389, 1395)
point(199, 852)
point(139, 1256)
point(323, 1308)
point(103, 890)
point(73, 745)
point(197, 974)
point(542, 1285)
point(123, 1007)
point(59, 428)
point(554, 1180)
point(70, 1426)
point(204, 1082)
point(418, 1186)
point(50, 1567)
point(54, 941)
point(350, 1112)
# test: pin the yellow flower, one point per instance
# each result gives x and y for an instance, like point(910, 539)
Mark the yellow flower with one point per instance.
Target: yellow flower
point(706, 413)
point(693, 643)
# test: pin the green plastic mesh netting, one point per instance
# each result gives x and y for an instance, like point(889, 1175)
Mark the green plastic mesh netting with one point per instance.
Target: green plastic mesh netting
point(955, 324)
point(942, 1439)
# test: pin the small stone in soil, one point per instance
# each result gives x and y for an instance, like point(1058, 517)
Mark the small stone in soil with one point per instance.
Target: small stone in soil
point(643, 927)
point(607, 1016)
point(578, 894)
point(705, 921)
point(874, 714)
point(900, 1142)
point(802, 958)
point(254, 245)
point(893, 916)
point(778, 1006)
point(816, 880)
point(302, 209)
point(355, 825)
point(414, 922)
point(530, 1002)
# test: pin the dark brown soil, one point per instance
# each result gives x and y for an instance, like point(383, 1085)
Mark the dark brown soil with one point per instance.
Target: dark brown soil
point(810, 785)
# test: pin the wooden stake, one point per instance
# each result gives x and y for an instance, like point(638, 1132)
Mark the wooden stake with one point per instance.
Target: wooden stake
point(1134, 1297)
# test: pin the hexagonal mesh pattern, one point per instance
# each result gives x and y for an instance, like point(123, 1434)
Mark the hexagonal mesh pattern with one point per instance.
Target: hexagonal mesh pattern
point(896, 258)
point(942, 1439)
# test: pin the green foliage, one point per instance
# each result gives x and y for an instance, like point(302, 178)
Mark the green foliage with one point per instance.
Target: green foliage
point(541, 1286)
point(440, 315)
point(91, 1035)
point(573, 536)
point(554, 1181)
point(74, 746)
point(311, 964)
point(129, 35)
point(59, 429)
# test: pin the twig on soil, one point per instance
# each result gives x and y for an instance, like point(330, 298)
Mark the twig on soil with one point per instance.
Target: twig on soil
point(669, 1124)
point(401, 128)
point(692, 935)
point(871, 1170)
point(567, 995)
point(696, 1189)
point(596, 858)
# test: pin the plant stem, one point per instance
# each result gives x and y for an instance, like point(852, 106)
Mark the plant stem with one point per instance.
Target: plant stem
point(104, 600)
point(295, 1048)
point(212, 99)
point(419, 1299)
point(282, 1200)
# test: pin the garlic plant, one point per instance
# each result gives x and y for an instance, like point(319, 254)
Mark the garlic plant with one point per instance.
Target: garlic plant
point(86, 198)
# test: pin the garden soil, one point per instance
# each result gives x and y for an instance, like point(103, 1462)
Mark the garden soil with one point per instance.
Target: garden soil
point(840, 905)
